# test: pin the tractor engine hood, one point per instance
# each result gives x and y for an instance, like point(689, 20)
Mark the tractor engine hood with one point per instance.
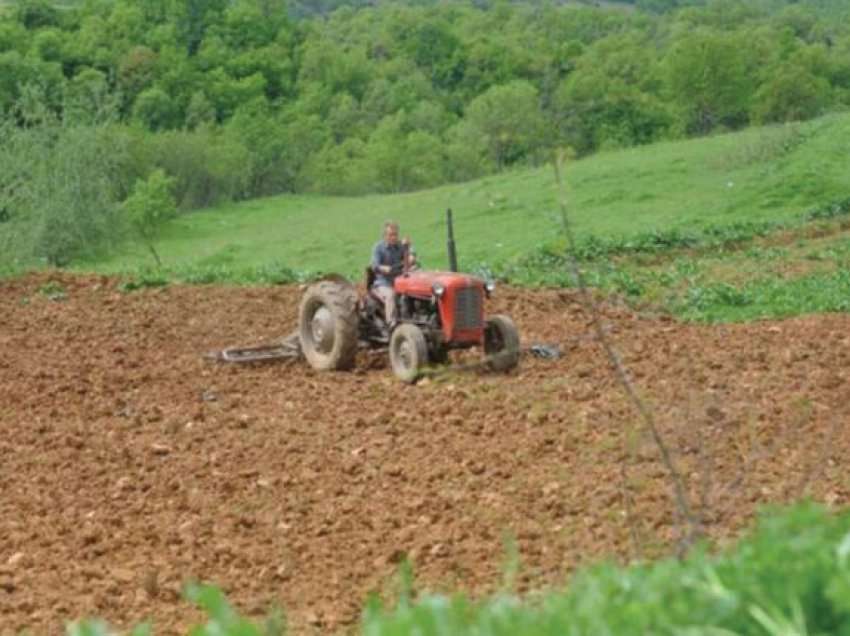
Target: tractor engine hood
point(421, 284)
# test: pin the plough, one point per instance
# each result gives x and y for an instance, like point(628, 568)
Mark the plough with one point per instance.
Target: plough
point(289, 348)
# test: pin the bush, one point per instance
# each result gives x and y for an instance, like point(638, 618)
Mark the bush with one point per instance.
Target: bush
point(60, 185)
point(150, 206)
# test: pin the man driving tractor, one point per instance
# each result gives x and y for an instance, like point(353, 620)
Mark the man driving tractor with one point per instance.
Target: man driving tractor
point(390, 258)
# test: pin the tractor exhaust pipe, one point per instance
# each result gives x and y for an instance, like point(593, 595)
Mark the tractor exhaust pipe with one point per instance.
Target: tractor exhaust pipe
point(451, 243)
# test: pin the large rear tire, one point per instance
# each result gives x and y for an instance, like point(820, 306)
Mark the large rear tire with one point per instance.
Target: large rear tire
point(501, 343)
point(408, 352)
point(328, 325)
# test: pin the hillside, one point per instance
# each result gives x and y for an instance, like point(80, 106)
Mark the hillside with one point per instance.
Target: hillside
point(755, 178)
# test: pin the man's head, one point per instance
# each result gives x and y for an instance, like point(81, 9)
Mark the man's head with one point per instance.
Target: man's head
point(391, 233)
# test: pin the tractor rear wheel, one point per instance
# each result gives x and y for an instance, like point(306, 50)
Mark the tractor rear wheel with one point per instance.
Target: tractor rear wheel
point(328, 325)
point(501, 343)
point(408, 352)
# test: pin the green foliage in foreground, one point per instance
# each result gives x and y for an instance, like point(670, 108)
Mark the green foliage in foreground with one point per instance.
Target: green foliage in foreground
point(791, 576)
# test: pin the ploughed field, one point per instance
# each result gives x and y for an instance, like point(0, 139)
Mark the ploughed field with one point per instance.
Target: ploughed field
point(131, 464)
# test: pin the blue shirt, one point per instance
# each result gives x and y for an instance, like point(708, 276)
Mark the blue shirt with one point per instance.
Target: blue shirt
point(392, 255)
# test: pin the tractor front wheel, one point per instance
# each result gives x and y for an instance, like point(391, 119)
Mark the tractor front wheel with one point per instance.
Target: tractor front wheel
point(328, 325)
point(501, 343)
point(408, 352)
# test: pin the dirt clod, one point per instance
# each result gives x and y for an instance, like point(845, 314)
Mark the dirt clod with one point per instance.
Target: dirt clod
point(17, 559)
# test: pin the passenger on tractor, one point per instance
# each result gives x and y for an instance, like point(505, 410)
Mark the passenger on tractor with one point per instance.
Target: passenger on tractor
point(390, 258)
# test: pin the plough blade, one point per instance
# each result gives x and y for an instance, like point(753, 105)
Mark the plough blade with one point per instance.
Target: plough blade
point(288, 348)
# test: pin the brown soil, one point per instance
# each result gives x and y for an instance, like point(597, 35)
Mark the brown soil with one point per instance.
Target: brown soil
point(131, 464)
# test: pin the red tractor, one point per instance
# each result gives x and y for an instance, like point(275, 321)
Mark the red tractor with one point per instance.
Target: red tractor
point(437, 312)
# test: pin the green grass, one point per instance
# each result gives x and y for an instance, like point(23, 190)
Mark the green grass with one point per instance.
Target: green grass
point(662, 224)
point(761, 174)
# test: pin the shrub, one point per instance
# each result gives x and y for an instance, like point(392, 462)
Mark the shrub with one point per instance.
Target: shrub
point(150, 206)
point(60, 184)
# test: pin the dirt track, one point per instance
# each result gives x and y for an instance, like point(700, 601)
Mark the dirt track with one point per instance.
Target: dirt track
point(130, 464)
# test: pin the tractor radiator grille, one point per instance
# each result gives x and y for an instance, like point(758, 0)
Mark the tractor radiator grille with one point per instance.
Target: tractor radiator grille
point(468, 308)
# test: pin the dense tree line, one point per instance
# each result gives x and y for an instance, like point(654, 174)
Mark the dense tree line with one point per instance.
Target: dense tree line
point(242, 98)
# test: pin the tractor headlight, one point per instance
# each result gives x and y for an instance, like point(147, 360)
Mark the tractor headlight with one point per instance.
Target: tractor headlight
point(490, 286)
point(439, 289)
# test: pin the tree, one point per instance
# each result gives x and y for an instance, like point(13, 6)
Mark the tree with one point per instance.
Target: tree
point(228, 93)
point(508, 117)
point(792, 93)
point(611, 97)
point(338, 169)
point(13, 37)
point(87, 98)
point(208, 167)
point(271, 62)
point(400, 86)
point(466, 153)
point(136, 71)
point(252, 24)
point(194, 17)
point(200, 111)
point(345, 118)
point(707, 79)
point(34, 14)
point(49, 44)
point(149, 206)
point(305, 134)
point(18, 72)
point(403, 160)
point(155, 109)
point(433, 47)
point(337, 68)
point(255, 127)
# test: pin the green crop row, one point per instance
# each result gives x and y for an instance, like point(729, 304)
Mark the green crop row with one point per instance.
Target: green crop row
point(711, 237)
point(717, 273)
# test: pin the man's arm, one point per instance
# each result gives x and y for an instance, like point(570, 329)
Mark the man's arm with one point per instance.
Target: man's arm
point(377, 255)
point(409, 256)
point(376, 258)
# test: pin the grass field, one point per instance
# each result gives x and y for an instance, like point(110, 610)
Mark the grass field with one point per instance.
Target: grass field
point(767, 177)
